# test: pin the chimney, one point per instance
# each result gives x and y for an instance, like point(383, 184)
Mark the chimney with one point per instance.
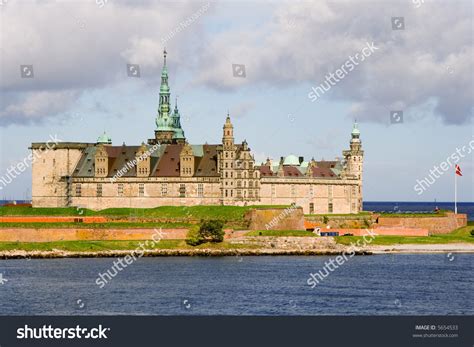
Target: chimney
point(301, 159)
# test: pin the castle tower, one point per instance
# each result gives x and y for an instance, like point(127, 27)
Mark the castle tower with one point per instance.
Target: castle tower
point(356, 154)
point(164, 129)
point(226, 162)
point(354, 160)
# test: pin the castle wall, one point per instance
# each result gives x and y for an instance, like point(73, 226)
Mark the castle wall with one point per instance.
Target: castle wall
point(343, 194)
point(153, 193)
point(48, 189)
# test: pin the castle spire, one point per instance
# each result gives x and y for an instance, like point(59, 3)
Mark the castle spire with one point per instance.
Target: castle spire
point(164, 57)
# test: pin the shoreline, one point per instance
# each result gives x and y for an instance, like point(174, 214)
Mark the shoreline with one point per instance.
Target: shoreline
point(207, 252)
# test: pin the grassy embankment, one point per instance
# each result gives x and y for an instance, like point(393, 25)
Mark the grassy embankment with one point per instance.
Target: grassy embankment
point(96, 246)
point(164, 216)
point(461, 235)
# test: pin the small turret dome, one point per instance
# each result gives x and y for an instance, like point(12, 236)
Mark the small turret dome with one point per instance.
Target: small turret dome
point(355, 130)
point(105, 139)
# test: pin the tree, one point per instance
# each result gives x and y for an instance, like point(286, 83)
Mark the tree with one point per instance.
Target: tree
point(211, 231)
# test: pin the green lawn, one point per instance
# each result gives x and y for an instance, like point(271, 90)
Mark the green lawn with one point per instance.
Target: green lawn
point(461, 235)
point(280, 233)
point(112, 225)
point(193, 212)
point(329, 215)
point(88, 246)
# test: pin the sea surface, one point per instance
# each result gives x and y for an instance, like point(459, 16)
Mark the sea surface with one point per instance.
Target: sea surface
point(365, 285)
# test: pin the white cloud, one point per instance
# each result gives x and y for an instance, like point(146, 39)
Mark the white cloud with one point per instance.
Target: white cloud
point(431, 59)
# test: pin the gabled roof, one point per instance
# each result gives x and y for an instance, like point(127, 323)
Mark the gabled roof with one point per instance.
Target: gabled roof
point(168, 165)
point(164, 161)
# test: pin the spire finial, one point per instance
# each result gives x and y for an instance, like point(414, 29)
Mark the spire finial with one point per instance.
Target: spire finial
point(164, 55)
point(176, 102)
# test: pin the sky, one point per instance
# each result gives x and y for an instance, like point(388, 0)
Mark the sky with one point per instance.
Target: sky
point(76, 84)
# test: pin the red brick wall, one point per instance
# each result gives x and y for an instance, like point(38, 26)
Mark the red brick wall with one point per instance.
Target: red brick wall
point(64, 234)
point(52, 219)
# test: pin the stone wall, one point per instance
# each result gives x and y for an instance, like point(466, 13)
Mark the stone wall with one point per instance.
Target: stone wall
point(79, 234)
point(314, 195)
point(435, 225)
point(290, 218)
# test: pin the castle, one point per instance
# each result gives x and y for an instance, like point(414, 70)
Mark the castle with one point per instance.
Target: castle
point(170, 171)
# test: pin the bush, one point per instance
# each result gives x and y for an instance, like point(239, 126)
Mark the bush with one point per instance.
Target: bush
point(325, 220)
point(193, 238)
point(472, 232)
point(212, 231)
point(366, 223)
point(208, 231)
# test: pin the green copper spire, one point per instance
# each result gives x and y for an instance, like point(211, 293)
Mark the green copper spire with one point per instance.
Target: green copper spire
point(176, 122)
point(163, 121)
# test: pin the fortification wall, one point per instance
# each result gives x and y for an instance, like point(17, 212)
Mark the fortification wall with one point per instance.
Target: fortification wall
point(291, 218)
point(435, 225)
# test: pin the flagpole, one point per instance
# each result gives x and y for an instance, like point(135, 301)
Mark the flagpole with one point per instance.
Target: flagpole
point(455, 192)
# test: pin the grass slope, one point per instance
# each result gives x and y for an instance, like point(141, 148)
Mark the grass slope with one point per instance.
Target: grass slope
point(461, 235)
point(95, 246)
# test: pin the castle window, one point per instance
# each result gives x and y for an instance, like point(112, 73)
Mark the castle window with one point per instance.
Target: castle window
point(293, 191)
point(311, 208)
point(99, 190)
point(141, 189)
point(226, 192)
point(231, 193)
point(164, 189)
point(182, 190)
point(200, 190)
point(78, 189)
point(311, 191)
point(273, 191)
point(330, 207)
point(330, 191)
point(120, 189)
point(353, 190)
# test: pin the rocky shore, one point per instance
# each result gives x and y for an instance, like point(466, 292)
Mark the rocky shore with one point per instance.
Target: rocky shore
point(257, 246)
point(168, 253)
